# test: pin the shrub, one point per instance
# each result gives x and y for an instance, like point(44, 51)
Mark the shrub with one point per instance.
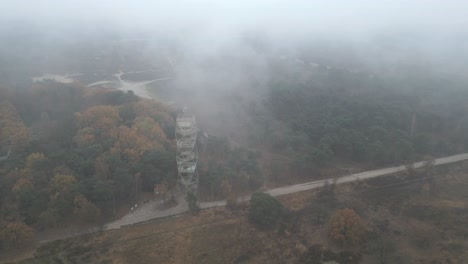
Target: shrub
point(192, 203)
point(265, 211)
point(346, 226)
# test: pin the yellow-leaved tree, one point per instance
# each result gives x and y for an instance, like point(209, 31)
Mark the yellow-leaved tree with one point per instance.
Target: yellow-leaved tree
point(96, 123)
point(346, 226)
point(131, 143)
point(101, 117)
point(61, 191)
point(154, 109)
point(12, 128)
point(16, 234)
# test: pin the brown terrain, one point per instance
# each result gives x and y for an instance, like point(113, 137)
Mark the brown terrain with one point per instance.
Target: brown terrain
point(413, 217)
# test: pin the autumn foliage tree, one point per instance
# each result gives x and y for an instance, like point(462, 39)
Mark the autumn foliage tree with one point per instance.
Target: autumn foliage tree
point(35, 161)
point(345, 226)
point(85, 210)
point(79, 152)
point(35, 169)
point(102, 117)
point(12, 128)
point(155, 110)
point(96, 123)
point(23, 189)
point(61, 188)
point(130, 144)
point(16, 234)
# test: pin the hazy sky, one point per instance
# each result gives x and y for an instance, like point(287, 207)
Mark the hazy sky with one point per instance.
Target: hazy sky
point(302, 16)
point(338, 32)
point(209, 27)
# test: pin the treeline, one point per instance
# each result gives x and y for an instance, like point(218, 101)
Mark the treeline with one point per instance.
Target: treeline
point(77, 153)
point(226, 171)
point(322, 116)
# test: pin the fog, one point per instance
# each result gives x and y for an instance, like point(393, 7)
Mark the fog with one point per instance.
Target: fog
point(231, 16)
point(213, 50)
point(202, 28)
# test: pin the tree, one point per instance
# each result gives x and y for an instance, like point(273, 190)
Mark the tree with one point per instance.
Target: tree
point(28, 201)
point(149, 129)
point(61, 189)
point(104, 138)
point(12, 128)
point(102, 118)
point(21, 137)
point(131, 145)
point(85, 210)
point(22, 186)
point(24, 191)
point(102, 167)
point(36, 169)
point(345, 226)
point(192, 203)
point(35, 161)
point(48, 218)
point(16, 234)
point(61, 183)
point(265, 211)
point(231, 201)
point(321, 155)
point(383, 249)
point(154, 109)
point(85, 137)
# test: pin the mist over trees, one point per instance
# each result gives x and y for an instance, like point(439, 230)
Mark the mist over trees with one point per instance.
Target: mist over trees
point(283, 93)
point(336, 114)
point(81, 150)
point(78, 154)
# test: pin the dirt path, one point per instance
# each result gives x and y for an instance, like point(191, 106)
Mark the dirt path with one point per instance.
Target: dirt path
point(139, 88)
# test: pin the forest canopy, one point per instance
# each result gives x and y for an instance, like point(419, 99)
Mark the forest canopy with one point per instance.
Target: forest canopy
point(71, 152)
point(324, 116)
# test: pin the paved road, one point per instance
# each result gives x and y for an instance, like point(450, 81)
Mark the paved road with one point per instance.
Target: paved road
point(152, 210)
point(360, 176)
point(148, 211)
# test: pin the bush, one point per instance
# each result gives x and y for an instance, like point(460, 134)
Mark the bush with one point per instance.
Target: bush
point(231, 202)
point(346, 226)
point(192, 203)
point(317, 254)
point(265, 211)
point(16, 234)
